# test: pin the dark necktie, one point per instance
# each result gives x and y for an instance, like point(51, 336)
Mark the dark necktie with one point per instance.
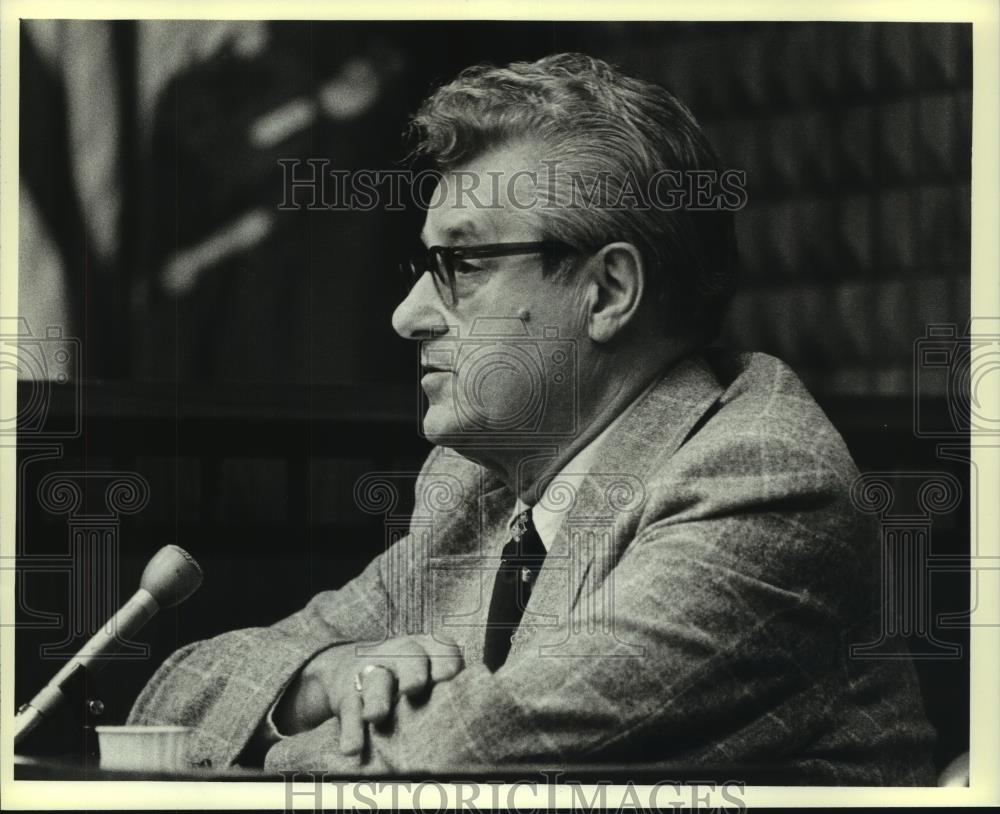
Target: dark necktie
point(520, 563)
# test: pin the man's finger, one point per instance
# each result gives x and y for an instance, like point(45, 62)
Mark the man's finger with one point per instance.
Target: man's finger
point(412, 667)
point(352, 727)
point(446, 663)
point(378, 692)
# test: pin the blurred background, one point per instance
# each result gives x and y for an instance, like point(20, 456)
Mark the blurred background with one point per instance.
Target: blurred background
point(233, 363)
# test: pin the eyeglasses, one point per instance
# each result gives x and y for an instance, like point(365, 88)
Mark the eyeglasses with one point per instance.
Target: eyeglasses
point(443, 262)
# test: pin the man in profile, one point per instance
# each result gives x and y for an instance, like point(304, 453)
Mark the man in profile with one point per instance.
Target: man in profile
point(626, 547)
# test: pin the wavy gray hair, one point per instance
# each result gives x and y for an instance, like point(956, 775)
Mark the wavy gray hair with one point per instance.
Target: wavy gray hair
point(598, 123)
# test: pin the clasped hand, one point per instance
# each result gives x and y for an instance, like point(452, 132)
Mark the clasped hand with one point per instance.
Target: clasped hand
point(364, 688)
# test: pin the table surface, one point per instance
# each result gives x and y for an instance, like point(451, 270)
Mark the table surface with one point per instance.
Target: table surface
point(69, 768)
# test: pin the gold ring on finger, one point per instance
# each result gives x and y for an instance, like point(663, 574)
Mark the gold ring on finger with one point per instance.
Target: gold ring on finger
point(359, 677)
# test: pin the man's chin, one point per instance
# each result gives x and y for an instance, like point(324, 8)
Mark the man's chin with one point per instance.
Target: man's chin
point(446, 432)
point(440, 427)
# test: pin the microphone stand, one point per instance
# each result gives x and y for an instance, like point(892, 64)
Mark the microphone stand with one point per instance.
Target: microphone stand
point(71, 731)
point(170, 577)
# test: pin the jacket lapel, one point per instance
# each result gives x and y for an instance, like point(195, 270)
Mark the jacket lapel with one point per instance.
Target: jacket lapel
point(604, 505)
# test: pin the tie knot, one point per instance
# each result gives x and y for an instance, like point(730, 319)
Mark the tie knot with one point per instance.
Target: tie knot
point(522, 525)
point(525, 545)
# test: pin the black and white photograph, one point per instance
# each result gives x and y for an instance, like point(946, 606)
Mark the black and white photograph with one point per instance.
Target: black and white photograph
point(451, 413)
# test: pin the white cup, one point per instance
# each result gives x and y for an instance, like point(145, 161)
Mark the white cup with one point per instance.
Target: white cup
point(143, 748)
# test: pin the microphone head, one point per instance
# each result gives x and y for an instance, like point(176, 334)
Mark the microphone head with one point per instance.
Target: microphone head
point(171, 576)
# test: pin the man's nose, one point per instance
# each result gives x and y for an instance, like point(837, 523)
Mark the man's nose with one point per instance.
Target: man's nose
point(421, 313)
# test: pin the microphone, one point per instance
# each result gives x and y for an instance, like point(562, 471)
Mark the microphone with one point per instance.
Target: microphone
point(169, 578)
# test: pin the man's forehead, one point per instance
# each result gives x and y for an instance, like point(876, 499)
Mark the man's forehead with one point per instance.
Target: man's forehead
point(485, 198)
point(449, 225)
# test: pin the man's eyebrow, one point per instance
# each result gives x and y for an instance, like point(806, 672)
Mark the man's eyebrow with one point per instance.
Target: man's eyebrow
point(460, 231)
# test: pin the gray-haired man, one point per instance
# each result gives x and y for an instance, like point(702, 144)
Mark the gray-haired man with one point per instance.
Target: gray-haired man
point(625, 547)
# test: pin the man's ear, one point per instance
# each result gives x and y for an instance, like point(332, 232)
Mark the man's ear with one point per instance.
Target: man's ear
point(617, 283)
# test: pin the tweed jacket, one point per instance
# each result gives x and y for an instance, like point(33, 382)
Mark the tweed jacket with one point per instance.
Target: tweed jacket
point(696, 606)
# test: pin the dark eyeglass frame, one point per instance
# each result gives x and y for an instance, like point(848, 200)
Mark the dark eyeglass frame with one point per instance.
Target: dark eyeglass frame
point(442, 261)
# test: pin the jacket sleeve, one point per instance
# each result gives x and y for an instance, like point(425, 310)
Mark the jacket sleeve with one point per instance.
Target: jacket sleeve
point(728, 613)
point(224, 686)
